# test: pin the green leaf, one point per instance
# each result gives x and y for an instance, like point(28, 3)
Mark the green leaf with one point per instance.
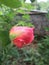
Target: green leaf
point(11, 3)
point(47, 28)
point(1, 13)
point(4, 37)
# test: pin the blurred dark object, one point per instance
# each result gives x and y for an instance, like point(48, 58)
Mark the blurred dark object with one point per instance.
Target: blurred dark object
point(32, 0)
point(37, 18)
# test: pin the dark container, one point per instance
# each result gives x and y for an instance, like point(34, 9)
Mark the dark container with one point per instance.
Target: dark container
point(38, 19)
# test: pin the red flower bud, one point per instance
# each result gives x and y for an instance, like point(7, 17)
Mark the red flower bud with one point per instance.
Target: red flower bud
point(21, 36)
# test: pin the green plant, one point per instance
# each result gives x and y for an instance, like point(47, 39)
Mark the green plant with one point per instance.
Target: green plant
point(13, 4)
point(43, 48)
point(35, 54)
point(9, 54)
